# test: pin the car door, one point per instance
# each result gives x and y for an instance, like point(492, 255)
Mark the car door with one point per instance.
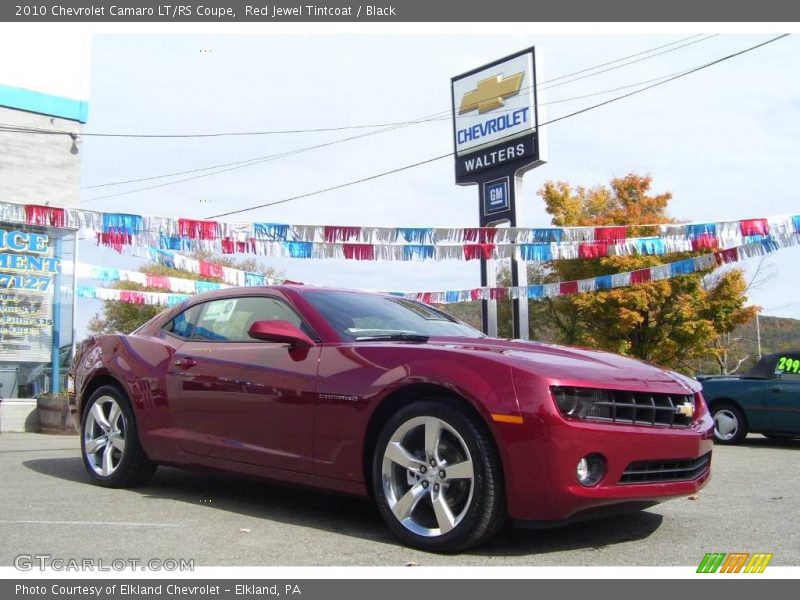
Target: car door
point(783, 397)
point(239, 399)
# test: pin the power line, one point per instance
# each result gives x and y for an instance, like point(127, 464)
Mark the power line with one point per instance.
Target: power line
point(261, 159)
point(224, 168)
point(437, 158)
point(32, 130)
point(616, 60)
point(633, 62)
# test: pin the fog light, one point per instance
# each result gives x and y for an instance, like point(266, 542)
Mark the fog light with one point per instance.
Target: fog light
point(590, 470)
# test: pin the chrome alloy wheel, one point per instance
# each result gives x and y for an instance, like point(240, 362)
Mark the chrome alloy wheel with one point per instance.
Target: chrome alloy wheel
point(726, 424)
point(104, 436)
point(428, 476)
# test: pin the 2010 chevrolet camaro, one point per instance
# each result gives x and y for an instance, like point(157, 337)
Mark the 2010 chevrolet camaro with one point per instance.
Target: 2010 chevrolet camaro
point(450, 432)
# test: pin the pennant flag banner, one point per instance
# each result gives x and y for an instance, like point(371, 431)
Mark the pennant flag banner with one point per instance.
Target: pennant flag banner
point(120, 231)
point(172, 284)
point(701, 263)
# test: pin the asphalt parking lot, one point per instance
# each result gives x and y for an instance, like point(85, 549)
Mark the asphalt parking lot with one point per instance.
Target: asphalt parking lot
point(48, 506)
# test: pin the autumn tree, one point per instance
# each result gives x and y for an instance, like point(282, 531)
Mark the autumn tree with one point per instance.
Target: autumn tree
point(673, 322)
point(125, 317)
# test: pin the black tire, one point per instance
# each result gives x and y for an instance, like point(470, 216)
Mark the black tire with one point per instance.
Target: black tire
point(130, 466)
point(733, 414)
point(481, 511)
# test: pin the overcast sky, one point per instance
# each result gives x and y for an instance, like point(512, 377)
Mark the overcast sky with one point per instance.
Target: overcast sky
point(724, 141)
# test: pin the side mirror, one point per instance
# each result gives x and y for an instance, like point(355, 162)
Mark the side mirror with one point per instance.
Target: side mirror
point(279, 331)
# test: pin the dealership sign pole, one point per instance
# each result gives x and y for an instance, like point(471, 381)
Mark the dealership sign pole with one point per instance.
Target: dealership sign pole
point(496, 135)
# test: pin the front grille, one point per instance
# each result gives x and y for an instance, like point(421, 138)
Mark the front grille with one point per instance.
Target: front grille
point(642, 408)
point(656, 471)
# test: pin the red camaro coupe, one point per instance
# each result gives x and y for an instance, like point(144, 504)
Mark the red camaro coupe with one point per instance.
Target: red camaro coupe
point(449, 431)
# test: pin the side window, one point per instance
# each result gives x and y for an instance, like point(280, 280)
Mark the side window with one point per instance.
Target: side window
point(229, 319)
point(183, 324)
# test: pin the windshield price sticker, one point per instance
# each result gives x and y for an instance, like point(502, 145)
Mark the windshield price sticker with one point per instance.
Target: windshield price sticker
point(787, 364)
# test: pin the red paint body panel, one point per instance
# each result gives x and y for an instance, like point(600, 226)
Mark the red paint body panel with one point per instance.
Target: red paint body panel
point(300, 414)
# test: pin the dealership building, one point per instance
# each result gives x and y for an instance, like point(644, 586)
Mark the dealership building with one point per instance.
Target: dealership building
point(40, 165)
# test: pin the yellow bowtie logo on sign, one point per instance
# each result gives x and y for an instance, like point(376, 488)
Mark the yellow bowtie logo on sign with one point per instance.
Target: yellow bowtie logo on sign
point(490, 93)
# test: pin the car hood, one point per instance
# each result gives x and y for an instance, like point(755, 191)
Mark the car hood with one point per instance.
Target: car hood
point(576, 366)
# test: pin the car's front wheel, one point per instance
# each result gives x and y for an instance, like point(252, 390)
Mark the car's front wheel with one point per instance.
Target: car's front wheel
point(729, 424)
point(110, 444)
point(437, 478)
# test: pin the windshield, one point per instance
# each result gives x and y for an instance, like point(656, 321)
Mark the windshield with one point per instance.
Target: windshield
point(366, 316)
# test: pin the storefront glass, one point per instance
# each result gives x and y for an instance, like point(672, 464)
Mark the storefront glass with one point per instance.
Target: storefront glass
point(36, 308)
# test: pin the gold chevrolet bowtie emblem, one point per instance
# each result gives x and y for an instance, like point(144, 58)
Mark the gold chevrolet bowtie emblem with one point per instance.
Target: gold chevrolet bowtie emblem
point(685, 409)
point(490, 93)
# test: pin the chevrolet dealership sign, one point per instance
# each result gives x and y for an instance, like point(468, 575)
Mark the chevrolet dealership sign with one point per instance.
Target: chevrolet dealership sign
point(495, 117)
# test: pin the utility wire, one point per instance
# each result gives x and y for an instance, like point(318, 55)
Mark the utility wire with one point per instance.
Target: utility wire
point(633, 62)
point(250, 162)
point(224, 168)
point(16, 129)
point(260, 159)
point(440, 157)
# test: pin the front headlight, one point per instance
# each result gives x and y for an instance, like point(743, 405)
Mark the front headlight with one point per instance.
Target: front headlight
point(583, 403)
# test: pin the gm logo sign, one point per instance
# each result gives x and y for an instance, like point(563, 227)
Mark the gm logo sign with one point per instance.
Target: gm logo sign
point(496, 196)
point(734, 562)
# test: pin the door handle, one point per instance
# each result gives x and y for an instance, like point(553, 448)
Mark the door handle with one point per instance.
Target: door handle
point(185, 363)
point(775, 389)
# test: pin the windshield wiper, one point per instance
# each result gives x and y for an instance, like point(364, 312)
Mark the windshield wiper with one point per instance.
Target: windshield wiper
point(394, 337)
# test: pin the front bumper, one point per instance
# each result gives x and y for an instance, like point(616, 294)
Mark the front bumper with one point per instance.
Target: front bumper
point(541, 457)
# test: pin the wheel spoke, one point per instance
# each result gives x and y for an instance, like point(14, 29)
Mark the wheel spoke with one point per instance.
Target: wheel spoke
point(108, 464)
point(433, 434)
point(444, 516)
point(96, 444)
point(406, 505)
point(118, 442)
point(397, 454)
point(114, 415)
point(100, 417)
point(462, 470)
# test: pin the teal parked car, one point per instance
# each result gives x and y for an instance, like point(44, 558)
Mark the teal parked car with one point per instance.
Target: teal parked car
point(765, 400)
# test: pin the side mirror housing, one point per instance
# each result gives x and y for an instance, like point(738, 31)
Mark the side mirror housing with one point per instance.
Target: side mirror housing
point(279, 331)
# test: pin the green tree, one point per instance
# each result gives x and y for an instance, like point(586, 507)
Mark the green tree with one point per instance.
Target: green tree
point(124, 317)
point(673, 322)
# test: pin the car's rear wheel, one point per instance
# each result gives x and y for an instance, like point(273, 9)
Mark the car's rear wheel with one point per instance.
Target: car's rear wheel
point(729, 424)
point(110, 444)
point(437, 477)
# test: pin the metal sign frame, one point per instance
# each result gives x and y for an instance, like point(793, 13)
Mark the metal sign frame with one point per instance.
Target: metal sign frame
point(502, 160)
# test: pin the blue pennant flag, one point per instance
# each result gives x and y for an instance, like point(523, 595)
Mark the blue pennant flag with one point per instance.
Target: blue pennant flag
point(699, 229)
point(122, 223)
point(271, 231)
point(417, 251)
point(415, 234)
point(299, 249)
point(682, 267)
point(603, 282)
point(535, 252)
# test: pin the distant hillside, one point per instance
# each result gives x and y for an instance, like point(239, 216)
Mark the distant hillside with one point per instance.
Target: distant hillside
point(777, 335)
